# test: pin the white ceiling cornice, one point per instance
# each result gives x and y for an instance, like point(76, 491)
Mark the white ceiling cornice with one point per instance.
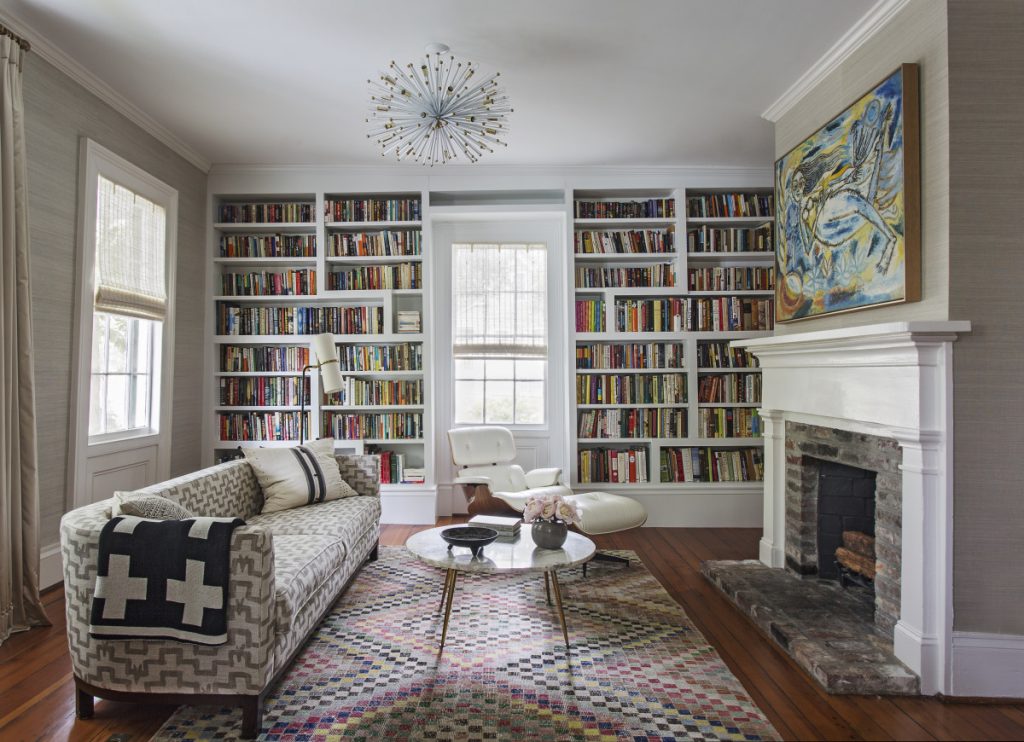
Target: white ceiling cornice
point(626, 171)
point(863, 30)
point(55, 56)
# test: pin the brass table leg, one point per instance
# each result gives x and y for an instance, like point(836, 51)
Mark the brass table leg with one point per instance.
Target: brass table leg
point(453, 576)
point(547, 587)
point(558, 601)
point(444, 591)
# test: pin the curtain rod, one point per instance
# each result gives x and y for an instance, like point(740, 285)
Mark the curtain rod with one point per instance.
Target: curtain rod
point(25, 46)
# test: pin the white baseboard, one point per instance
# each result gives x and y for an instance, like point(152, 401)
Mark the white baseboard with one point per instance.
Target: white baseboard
point(51, 571)
point(409, 507)
point(988, 665)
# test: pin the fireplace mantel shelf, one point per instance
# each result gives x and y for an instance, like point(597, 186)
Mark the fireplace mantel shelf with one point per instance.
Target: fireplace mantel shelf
point(860, 335)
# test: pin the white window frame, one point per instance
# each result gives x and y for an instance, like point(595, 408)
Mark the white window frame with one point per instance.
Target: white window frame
point(94, 161)
point(546, 359)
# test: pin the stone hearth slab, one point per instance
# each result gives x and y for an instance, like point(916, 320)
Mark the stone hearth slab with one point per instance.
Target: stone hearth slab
point(830, 632)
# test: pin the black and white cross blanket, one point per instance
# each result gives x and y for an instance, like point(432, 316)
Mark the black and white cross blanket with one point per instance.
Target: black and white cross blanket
point(164, 579)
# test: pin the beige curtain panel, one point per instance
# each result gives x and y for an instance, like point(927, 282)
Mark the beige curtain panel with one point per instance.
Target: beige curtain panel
point(20, 607)
point(130, 248)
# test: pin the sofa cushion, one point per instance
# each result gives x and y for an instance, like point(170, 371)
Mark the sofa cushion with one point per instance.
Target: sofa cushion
point(346, 519)
point(298, 475)
point(302, 564)
point(148, 506)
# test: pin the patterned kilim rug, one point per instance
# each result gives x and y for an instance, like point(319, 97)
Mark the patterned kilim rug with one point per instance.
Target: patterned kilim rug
point(638, 669)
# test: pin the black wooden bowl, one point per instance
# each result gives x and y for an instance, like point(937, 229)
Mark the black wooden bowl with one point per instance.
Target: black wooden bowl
point(471, 537)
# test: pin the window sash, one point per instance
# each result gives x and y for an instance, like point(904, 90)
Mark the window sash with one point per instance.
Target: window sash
point(130, 253)
point(138, 368)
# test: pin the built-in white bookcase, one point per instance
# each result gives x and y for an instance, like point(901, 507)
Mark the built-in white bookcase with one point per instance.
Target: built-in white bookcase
point(667, 393)
point(370, 265)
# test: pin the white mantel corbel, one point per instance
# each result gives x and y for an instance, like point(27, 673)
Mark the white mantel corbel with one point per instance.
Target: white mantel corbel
point(892, 380)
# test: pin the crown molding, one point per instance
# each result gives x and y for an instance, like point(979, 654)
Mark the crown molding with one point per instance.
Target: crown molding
point(564, 171)
point(879, 14)
point(48, 51)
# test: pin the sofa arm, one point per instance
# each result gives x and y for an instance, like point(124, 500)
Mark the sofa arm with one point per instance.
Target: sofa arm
point(542, 477)
point(362, 472)
point(243, 665)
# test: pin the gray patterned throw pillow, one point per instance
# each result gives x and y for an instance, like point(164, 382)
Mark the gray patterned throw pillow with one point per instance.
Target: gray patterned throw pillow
point(152, 506)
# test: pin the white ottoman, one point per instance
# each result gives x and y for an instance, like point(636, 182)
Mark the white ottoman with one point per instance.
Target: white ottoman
point(603, 512)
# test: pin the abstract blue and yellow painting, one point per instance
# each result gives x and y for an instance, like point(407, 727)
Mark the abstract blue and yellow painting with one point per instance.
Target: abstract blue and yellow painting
point(842, 208)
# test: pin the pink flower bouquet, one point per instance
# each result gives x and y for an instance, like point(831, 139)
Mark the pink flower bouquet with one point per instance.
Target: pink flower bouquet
point(552, 508)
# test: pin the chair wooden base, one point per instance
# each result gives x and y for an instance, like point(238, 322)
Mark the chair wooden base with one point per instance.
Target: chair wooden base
point(482, 502)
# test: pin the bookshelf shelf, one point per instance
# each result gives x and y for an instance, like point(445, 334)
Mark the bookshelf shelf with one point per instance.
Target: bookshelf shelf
point(285, 227)
point(327, 250)
point(742, 270)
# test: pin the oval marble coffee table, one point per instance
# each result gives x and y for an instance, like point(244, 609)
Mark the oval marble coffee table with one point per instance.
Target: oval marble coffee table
point(521, 555)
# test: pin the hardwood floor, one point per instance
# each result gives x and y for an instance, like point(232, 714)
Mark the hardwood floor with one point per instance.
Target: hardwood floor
point(37, 700)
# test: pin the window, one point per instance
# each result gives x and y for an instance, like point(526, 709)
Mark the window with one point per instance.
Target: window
point(499, 318)
point(129, 306)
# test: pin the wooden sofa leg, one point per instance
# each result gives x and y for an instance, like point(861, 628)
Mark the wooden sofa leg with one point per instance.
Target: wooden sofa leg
point(375, 553)
point(252, 717)
point(83, 704)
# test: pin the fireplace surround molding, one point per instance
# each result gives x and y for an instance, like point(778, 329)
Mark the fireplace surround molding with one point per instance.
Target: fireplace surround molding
point(891, 380)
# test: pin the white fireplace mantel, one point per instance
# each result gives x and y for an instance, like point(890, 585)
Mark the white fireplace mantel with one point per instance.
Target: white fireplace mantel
point(892, 380)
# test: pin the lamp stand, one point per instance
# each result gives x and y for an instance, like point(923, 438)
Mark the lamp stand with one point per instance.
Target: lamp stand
point(304, 392)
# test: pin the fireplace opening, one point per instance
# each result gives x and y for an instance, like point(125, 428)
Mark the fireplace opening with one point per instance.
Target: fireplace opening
point(846, 524)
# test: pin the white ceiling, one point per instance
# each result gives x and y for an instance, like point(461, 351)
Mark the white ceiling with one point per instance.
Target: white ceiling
point(593, 82)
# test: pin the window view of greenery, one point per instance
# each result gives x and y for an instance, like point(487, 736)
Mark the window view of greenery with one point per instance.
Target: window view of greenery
point(122, 358)
point(499, 323)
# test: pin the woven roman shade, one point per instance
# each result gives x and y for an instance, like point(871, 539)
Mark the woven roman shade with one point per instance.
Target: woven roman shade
point(130, 253)
point(500, 300)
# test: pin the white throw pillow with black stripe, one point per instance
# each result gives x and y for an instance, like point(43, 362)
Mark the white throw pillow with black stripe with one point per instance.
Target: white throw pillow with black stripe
point(296, 476)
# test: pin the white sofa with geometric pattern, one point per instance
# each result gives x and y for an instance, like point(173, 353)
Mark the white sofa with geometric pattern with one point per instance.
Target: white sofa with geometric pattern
point(287, 569)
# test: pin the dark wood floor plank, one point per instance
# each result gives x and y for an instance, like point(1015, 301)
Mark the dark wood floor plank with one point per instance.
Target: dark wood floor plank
point(37, 693)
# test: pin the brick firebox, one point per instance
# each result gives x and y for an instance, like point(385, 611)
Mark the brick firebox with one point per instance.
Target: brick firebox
point(806, 447)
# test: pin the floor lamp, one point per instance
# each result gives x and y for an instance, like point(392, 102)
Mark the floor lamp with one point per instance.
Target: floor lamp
point(326, 354)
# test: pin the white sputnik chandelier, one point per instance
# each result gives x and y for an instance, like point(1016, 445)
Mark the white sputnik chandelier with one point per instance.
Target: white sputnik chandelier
point(437, 111)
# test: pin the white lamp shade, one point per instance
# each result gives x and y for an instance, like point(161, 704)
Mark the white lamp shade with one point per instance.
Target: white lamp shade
point(327, 356)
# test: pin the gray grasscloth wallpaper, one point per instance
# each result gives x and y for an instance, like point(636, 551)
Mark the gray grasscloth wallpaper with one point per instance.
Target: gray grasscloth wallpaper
point(986, 268)
point(58, 112)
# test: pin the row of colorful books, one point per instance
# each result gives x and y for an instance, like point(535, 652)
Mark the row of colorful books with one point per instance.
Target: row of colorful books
point(730, 205)
point(685, 314)
point(731, 279)
point(259, 426)
point(649, 275)
point(660, 422)
point(377, 277)
point(719, 354)
point(589, 315)
point(300, 282)
point(396, 357)
point(728, 422)
point(624, 242)
point(235, 320)
point(707, 239)
point(629, 355)
point(379, 425)
point(712, 465)
point(612, 465)
point(375, 244)
point(251, 391)
point(268, 245)
point(254, 358)
point(669, 388)
point(739, 388)
point(378, 392)
point(372, 209)
point(651, 208)
point(394, 471)
point(266, 213)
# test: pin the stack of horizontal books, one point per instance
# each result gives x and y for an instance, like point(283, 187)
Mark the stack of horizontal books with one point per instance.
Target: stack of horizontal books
point(507, 528)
